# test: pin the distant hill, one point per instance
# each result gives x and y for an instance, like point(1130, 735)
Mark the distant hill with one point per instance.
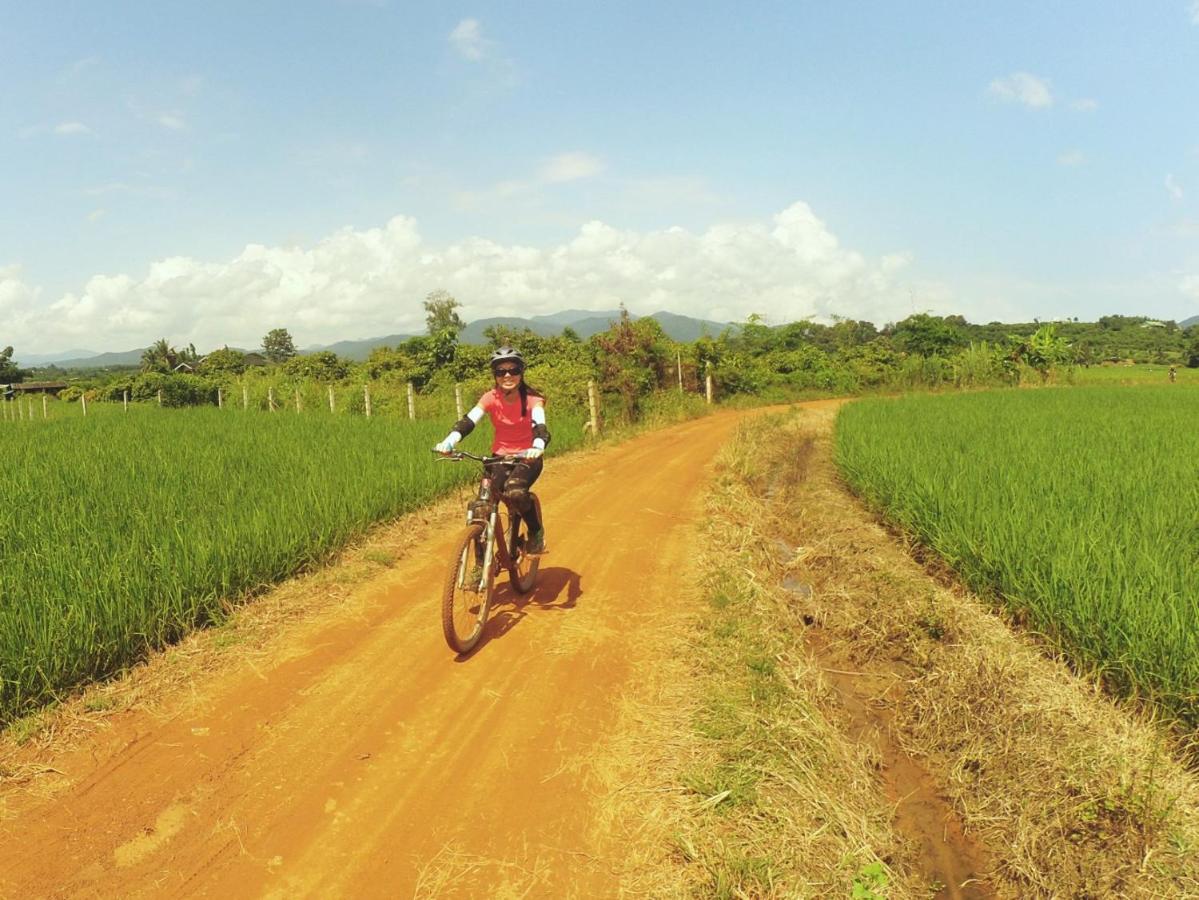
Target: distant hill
point(44, 359)
point(1187, 323)
point(585, 323)
point(100, 360)
point(359, 350)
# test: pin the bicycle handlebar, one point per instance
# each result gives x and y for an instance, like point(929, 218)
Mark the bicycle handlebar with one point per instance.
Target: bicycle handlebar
point(459, 455)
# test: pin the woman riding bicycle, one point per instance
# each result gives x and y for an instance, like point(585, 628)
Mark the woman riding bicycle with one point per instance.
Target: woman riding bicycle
point(517, 414)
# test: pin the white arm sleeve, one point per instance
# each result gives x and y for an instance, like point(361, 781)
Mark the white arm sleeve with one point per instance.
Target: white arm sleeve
point(474, 415)
point(538, 416)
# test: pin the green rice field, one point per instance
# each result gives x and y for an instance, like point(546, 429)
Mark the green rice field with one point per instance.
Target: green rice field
point(1079, 507)
point(121, 531)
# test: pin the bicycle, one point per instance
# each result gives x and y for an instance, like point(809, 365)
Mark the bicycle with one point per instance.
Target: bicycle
point(491, 540)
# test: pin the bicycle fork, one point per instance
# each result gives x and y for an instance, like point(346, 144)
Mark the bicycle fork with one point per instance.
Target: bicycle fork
point(488, 539)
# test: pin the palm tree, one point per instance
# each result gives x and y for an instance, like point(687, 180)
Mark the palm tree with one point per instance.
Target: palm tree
point(159, 357)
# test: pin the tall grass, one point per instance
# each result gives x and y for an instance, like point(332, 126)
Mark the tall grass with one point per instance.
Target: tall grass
point(121, 531)
point(1080, 507)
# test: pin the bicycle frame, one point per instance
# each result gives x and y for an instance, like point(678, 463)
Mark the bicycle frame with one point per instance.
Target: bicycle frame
point(493, 535)
point(496, 547)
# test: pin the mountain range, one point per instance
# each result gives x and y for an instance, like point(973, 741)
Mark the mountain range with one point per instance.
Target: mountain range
point(584, 322)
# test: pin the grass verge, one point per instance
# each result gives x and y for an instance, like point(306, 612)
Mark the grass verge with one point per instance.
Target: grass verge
point(730, 773)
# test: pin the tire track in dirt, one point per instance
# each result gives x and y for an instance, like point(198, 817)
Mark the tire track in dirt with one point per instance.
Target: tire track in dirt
point(363, 759)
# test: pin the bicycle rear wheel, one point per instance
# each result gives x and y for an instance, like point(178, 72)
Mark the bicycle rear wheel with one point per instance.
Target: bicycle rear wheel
point(464, 604)
point(523, 571)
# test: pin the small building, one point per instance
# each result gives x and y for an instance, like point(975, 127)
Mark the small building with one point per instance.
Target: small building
point(34, 387)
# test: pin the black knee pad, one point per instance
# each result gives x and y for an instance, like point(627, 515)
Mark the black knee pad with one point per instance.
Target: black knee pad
point(517, 495)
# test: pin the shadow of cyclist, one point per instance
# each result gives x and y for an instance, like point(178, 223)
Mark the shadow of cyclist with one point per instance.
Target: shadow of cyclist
point(556, 589)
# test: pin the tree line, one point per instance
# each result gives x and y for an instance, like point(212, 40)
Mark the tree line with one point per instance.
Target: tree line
point(635, 357)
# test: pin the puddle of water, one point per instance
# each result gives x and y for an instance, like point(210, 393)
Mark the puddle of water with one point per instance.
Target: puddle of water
point(949, 858)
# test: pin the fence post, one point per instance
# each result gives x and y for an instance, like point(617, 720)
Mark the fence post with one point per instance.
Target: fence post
point(708, 383)
point(593, 407)
point(332, 406)
point(245, 397)
point(679, 364)
point(220, 399)
point(125, 399)
point(83, 400)
point(366, 396)
point(297, 399)
point(160, 396)
point(30, 408)
point(458, 399)
point(45, 413)
point(270, 398)
point(411, 402)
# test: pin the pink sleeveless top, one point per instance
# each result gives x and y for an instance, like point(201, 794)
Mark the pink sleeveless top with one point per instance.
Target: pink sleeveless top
point(512, 433)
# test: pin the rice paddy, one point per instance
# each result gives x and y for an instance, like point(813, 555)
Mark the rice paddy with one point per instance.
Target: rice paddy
point(1077, 507)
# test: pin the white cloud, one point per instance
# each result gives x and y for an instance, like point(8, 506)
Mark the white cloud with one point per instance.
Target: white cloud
point(371, 282)
point(1021, 87)
point(1071, 158)
point(570, 167)
point(1086, 104)
point(560, 169)
point(172, 120)
point(71, 128)
point(78, 67)
point(1173, 187)
point(97, 214)
point(467, 38)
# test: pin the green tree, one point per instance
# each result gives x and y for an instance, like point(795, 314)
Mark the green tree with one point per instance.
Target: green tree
point(632, 358)
point(10, 373)
point(224, 362)
point(927, 335)
point(324, 365)
point(1192, 349)
point(444, 323)
point(441, 313)
point(1044, 351)
point(160, 357)
point(278, 346)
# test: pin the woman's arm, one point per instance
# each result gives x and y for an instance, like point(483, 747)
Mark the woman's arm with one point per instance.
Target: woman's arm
point(462, 428)
point(541, 434)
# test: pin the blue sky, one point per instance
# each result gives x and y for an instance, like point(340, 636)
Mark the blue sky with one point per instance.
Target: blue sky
point(206, 172)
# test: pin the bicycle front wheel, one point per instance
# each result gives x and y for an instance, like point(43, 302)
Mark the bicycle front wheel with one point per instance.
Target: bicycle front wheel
point(467, 594)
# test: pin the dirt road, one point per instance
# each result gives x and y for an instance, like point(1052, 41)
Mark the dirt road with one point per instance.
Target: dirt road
point(363, 759)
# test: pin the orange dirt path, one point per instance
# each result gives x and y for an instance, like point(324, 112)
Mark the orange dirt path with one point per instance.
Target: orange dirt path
point(364, 759)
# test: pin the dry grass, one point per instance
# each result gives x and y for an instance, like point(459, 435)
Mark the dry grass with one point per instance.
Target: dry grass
point(729, 774)
point(1074, 794)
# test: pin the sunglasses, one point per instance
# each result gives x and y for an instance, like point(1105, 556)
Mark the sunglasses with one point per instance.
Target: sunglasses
point(506, 373)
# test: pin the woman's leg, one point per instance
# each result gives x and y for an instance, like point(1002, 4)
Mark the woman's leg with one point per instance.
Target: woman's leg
point(516, 489)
